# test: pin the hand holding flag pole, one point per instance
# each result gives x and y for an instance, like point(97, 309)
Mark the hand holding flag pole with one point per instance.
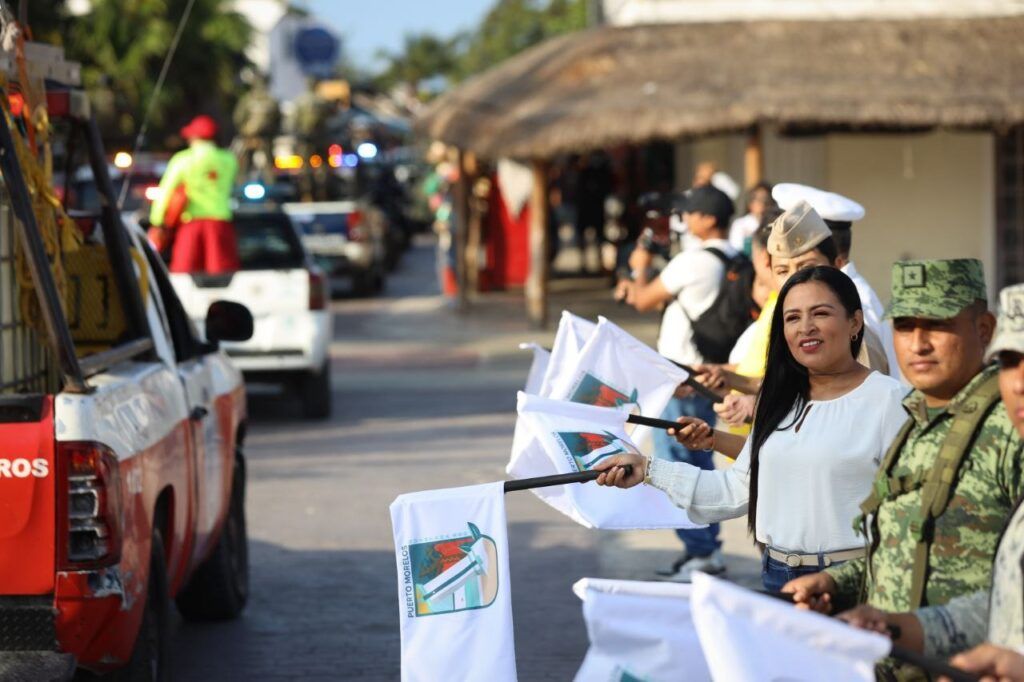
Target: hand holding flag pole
point(557, 479)
point(930, 664)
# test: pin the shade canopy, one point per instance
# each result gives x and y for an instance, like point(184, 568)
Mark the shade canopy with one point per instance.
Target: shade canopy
point(609, 85)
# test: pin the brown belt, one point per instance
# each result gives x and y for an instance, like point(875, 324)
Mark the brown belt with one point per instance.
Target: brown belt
point(795, 559)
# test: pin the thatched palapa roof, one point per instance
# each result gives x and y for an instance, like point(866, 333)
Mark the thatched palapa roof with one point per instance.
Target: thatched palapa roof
point(611, 85)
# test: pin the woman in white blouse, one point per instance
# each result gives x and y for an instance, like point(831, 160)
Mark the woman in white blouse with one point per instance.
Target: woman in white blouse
point(822, 424)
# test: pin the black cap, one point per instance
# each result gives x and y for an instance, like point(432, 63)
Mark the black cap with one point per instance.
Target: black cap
point(655, 204)
point(708, 200)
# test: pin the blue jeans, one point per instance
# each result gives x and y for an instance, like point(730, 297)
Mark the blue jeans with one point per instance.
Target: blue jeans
point(775, 574)
point(699, 542)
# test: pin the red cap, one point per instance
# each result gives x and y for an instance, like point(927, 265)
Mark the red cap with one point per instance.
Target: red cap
point(201, 128)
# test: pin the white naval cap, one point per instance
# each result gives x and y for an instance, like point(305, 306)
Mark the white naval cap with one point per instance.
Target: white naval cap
point(724, 182)
point(829, 205)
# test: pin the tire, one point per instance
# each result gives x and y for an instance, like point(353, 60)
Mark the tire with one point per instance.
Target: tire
point(315, 393)
point(220, 587)
point(150, 660)
point(368, 282)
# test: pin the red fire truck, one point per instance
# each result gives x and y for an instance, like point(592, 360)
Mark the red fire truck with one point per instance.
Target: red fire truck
point(122, 479)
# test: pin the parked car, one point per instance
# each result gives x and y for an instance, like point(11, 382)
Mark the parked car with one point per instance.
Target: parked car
point(347, 239)
point(122, 473)
point(289, 298)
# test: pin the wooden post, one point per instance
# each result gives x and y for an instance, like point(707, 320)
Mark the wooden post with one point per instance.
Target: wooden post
point(474, 232)
point(753, 159)
point(537, 281)
point(460, 225)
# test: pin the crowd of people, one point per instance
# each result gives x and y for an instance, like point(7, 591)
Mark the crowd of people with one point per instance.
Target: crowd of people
point(878, 456)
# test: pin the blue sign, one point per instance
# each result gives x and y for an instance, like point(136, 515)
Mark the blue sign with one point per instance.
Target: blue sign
point(316, 48)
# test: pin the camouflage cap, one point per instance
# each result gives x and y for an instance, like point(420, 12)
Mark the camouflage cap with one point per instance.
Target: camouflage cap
point(797, 231)
point(1010, 330)
point(935, 289)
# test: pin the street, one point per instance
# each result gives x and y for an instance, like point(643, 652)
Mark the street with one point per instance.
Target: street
point(423, 398)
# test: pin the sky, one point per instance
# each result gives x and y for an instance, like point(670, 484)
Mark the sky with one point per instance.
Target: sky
point(370, 25)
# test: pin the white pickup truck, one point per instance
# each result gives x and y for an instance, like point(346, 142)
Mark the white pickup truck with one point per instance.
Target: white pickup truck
point(290, 301)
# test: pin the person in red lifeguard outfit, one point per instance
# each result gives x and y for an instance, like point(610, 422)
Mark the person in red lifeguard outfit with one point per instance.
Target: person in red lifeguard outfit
point(205, 239)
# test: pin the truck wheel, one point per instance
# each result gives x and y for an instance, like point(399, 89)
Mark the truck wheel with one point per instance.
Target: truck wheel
point(315, 393)
point(150, 661)
point(368, 282)
point(220, 586)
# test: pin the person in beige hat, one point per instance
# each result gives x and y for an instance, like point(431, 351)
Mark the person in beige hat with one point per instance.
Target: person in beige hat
point(799, 239)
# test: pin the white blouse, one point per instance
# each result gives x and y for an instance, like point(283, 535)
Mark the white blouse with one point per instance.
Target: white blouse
point(813, 474)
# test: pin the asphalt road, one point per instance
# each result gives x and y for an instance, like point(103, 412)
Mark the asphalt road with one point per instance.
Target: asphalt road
point(424, 398)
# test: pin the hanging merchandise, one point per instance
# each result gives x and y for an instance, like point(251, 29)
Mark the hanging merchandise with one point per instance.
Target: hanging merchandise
point(614, 369)
point(454, 600)
point(748, 637)
point(566, 437)
point(639, 631)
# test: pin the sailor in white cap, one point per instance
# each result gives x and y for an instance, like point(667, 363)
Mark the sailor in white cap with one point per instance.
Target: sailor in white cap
point(840, 213)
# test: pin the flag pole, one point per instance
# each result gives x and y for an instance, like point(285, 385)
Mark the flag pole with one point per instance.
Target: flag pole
point(653, 421)
point(930, 664)
point(700, 388)
point(557, 479)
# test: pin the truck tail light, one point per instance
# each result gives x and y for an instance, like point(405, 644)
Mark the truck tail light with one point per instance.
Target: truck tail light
point(356, 229)
point(89, 512)
point(317, 289)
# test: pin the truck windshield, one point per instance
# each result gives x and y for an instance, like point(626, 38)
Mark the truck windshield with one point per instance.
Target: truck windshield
point(267, 242)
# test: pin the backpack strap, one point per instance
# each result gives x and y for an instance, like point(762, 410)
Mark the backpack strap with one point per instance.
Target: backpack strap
point(938, 482)
point(720, 255)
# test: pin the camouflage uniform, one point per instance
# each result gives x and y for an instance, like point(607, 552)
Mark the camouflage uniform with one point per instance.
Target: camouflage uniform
point(982, 494)
point(997, 616)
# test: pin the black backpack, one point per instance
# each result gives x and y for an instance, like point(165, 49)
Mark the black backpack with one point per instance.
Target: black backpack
point(716, 330)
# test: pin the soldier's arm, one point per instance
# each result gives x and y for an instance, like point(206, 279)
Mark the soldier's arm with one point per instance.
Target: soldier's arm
point(849, 578)
point(955, 626)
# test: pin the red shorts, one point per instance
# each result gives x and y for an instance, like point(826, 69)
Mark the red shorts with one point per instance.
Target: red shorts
point(205, 245)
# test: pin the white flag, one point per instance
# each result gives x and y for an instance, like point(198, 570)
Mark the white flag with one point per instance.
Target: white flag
point(752, 637)
point(639, 631)
point(572, 334)
point(539, 366)
point(454, 603)
point(615, 369)
point(567, 437)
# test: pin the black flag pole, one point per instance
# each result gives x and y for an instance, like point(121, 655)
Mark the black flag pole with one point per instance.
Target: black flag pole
point(557, 479)
point(652, 421)
point(696, 385)
point(930, 664)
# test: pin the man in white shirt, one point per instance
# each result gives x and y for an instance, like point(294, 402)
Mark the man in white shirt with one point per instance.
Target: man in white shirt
point(840, 213)
point(686, 288)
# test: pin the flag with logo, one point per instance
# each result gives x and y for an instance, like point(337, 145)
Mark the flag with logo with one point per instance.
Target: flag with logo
point(566, 437)
point(573, 332)
point(614, 369)
point(541, 358)
point(639, 631)
point(454, 604)
point(749, 637)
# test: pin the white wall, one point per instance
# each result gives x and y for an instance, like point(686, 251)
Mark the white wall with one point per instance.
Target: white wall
point(631, 12)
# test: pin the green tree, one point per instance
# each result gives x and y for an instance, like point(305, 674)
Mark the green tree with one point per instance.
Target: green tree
point(514, 25)
point(122, 44)
point(423, 56)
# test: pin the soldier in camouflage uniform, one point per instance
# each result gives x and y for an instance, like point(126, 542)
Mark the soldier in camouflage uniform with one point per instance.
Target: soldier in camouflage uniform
point(951, 479)
point(997, 614)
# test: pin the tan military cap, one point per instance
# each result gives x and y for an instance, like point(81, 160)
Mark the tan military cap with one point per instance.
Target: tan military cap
point(1010, 329)
point(797, 231)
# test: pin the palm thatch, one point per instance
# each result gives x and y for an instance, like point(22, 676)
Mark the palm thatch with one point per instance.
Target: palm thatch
point(610, 85)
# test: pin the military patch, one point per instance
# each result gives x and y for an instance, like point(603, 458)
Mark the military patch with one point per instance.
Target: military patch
point(913, 275)
point(1013, 309)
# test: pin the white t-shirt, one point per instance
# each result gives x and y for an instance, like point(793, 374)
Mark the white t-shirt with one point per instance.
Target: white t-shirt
point(811, 482)
point(694, 278)
point(874, 316)
point(739, 350)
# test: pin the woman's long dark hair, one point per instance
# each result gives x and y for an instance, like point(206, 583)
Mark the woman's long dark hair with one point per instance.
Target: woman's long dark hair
point(786, 386)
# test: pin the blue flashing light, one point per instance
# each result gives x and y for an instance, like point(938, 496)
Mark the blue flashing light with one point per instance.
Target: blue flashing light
point(367, 150)
point(254, 191)
point(349, 160)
